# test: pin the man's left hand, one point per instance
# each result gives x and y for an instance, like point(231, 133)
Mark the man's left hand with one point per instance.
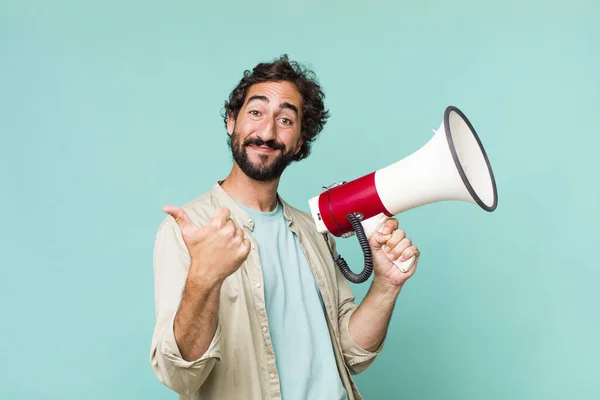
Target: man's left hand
point(392, 244)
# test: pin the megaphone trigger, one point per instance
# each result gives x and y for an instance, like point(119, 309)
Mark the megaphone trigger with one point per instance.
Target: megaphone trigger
point(375, 224)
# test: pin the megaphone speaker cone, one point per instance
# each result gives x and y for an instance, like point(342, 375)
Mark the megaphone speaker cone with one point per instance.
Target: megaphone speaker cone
point(470, 158)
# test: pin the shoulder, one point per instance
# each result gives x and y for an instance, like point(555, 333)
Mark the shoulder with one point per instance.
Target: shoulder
point(299, 216)
point(304, 220)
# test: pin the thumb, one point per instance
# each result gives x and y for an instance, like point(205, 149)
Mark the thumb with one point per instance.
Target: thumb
point(378, 239)
point(185, 224)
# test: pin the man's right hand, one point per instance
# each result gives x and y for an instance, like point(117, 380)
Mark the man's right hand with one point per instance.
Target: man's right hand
point(216, 250)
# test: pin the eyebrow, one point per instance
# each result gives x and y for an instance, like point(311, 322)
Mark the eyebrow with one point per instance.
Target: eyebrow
point(265, 99)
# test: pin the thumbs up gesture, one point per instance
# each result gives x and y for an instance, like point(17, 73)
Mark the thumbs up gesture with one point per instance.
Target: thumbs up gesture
point(217, 249)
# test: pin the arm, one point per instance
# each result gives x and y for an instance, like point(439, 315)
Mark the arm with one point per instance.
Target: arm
point(196, 320)
point(190, 266)
point(364, 328)
point(369, 323)
point(179, 362)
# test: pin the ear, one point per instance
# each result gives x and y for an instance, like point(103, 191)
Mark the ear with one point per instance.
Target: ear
point(230, 123)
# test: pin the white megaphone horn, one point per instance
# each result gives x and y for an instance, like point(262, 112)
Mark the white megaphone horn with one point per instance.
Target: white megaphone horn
point(453, 165)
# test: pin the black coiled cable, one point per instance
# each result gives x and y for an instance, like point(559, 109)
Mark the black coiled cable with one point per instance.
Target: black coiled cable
point(364, 244)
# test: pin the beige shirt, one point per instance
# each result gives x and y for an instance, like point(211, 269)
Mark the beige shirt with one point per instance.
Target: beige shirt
point(240, 361)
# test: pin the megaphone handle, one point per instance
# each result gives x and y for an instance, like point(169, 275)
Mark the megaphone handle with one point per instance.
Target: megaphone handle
point(375, 224)
point(405, 265)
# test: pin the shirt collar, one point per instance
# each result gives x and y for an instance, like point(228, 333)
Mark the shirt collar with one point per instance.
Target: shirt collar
point(240, 216)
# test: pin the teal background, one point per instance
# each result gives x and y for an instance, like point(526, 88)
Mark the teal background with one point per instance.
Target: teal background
point(110, 110)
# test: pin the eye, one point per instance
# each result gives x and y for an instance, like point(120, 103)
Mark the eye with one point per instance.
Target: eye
point(286, 121)
point(256, 113)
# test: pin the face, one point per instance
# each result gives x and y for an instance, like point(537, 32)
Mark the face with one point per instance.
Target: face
point(266, 134)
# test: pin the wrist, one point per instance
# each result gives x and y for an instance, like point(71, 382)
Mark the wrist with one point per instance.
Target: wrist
point(201, 278)
point(386, 286)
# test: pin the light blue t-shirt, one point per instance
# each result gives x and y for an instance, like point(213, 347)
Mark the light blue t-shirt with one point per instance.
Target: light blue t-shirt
point(301, 341)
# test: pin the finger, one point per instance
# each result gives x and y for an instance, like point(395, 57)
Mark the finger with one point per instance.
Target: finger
point(378, 239)
point(239, 232)
point(396, 237)
point(397, 250)
point(220, 217)
point(182, 219)
point(245, 247)
point(408, 253)
point(230, 226)
point(390, 226)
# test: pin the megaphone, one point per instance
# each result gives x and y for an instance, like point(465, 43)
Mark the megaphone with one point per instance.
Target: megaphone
point(452, 165)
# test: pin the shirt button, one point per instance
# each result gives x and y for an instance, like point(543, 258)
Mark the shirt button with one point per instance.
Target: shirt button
point(249, 220)
point(258, 285)
point(252, 247)
point(272, 375)
point(265, 329)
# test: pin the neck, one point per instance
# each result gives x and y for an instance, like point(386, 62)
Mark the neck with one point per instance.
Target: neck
point(261, 196)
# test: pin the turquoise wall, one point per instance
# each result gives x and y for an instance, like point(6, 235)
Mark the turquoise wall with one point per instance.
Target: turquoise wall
point(110, 110)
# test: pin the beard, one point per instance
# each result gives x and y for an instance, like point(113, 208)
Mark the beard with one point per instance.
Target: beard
point(264, 173)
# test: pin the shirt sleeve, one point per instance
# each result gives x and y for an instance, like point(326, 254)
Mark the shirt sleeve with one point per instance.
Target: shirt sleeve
point(171, 265)
point(357, 359)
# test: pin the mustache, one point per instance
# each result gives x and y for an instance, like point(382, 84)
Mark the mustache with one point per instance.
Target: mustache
point(269, 143)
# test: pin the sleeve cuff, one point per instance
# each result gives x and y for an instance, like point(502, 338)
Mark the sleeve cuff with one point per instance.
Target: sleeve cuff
point(353, 353)
point(171, 350)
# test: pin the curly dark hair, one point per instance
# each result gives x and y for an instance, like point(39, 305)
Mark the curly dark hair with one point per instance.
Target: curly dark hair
point(314, 114)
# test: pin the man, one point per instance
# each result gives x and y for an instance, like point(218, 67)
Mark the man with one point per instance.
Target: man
point(249, 303)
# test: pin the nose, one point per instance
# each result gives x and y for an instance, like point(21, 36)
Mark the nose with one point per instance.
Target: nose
point(267, 130)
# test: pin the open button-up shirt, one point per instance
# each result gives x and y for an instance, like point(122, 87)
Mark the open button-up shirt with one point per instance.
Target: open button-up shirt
point(240, 361)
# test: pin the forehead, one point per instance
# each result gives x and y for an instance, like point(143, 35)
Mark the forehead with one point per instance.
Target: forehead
point(276, 92)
